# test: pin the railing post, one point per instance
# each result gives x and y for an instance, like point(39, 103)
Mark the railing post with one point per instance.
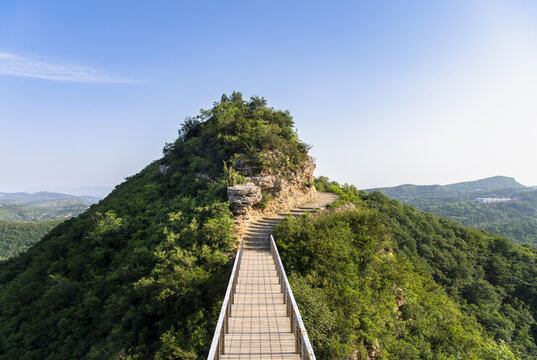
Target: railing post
point(226, 321)
point(292, 315)
point(221, 345)
point(297, 348)
point(232, 291)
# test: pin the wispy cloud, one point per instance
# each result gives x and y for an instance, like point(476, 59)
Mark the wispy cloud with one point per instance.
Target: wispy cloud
point(15, 65)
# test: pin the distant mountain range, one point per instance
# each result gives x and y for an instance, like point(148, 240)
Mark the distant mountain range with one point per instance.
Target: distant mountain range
point(42, 206)
point(26, 217)
point(93, 191)
point(498, 204)
point(27, 198)
point(410, 192)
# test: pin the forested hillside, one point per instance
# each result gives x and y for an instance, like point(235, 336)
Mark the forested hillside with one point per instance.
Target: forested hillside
point(499, 205)
point(141, 275)
point(384, 280)
point(16, 237)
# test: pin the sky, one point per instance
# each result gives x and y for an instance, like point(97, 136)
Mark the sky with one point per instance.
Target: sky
point(387, 92)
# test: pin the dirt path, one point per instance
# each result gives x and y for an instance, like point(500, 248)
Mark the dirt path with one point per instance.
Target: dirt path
point(264, 226)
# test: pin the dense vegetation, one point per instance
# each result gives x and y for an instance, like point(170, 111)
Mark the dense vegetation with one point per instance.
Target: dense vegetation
point(246, 136)
point(17, 237)
point(387, 279)
point(141, 275)
point(515, 219)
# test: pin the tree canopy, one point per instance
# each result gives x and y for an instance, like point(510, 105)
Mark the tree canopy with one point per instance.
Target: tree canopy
point(386, 280)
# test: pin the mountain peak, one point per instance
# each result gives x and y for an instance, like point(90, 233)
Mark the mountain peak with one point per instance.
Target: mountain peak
point(491, 183)
point(149, 263)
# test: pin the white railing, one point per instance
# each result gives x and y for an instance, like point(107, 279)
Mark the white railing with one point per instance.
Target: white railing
point(302, 342)
point(217, 346)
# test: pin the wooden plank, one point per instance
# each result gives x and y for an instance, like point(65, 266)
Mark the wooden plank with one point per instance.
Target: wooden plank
point(259, 327)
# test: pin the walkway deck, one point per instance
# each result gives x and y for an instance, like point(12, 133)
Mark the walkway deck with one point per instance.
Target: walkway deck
point(259, 327)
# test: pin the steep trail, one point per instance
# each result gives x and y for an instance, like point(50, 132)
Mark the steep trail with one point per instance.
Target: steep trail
point(259, 327)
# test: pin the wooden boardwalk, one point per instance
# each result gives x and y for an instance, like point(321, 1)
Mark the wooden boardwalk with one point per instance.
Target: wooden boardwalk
point(259, 327)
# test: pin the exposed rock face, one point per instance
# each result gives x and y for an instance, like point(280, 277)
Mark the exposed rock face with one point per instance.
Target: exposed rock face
point(163, 169)
point(244, 168)
point(242, 197)
point(285, 191)
point(267, 182)
point(399, 297)
point(374, 351)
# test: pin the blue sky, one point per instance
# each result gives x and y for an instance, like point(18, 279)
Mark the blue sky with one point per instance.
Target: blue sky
point(387, 92)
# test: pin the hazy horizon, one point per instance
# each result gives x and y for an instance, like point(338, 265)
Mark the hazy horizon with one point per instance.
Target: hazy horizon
point(95, 191)
point(79, 191)
point(387, 93)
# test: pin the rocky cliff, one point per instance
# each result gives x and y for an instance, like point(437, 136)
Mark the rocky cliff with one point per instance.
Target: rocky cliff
point(272, 191)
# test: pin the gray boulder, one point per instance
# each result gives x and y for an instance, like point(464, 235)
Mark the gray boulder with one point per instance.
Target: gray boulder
point(243, 196)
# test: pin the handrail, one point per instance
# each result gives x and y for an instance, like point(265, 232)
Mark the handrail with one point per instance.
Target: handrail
point(217, 346)
point(302, 341)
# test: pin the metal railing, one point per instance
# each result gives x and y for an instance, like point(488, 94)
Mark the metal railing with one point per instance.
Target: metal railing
point(222, 326)
point(302, 342)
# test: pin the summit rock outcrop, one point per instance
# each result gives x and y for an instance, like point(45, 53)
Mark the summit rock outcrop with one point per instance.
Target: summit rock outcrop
point(272, 191)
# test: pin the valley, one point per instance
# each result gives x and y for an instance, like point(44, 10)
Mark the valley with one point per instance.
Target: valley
point(42, 206)
point(26, 217)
